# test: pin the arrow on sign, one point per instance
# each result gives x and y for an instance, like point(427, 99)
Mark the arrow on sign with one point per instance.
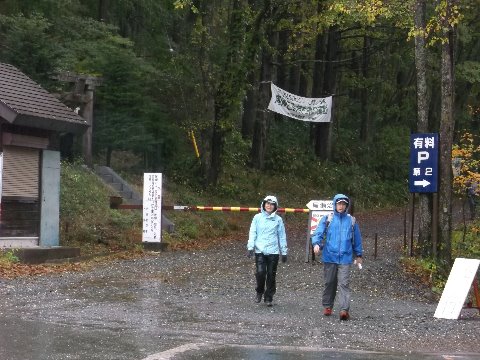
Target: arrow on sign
point(320, 205)
point(422, 183)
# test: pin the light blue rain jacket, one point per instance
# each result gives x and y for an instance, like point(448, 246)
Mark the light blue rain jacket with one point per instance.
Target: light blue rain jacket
point(342, 239)
point(267, 231)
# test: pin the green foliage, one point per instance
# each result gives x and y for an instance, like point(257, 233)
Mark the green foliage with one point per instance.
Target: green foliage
point(469, 72)
point(80, 193)
point(8, 257)
point(87, 45)
point(392, 153)
point(466, 161)
point(466, 242)
point(291, 165)
point(27, 43)
point(85, 216)
point(428, 271)
point(187, 228)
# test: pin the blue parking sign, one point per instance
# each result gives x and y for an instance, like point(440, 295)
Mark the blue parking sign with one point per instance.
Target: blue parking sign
point(423, 175)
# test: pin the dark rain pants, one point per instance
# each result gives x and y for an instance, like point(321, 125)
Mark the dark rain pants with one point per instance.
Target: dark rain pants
point(266, 272)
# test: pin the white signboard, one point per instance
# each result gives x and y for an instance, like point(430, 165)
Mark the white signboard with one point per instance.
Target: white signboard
point(456, 290)
point(152, 207)
point(323, 205)
point(318, 208)
point(315, 217)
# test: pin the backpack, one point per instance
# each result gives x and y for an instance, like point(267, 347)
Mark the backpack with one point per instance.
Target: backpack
point(329, 220)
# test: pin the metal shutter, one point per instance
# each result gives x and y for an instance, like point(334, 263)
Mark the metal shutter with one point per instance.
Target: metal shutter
point(20, 172)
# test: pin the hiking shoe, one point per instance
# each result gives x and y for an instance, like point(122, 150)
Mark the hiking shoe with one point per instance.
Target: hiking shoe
point(269, 303)
point(327, 311)
point(258, 298)
point(344, 315)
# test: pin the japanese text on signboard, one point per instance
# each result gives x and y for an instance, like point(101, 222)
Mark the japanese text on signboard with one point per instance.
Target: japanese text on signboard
point(152, 207)
point(423, 174)
point(318, 208)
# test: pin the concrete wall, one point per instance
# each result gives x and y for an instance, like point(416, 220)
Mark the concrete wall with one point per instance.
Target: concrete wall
point(50, 199)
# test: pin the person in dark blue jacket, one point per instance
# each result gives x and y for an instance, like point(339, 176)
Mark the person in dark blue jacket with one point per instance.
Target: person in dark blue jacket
point(338, 237)
point(267, 240)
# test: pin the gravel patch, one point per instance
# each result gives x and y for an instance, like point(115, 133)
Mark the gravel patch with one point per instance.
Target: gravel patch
point(207, 296)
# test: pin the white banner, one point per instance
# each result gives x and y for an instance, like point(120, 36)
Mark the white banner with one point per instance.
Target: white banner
point(300, 108)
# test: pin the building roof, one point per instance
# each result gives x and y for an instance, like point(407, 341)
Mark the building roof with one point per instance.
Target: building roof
point(24, 102)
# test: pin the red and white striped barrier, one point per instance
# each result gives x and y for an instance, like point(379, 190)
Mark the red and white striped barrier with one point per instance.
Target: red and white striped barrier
point(115, 203)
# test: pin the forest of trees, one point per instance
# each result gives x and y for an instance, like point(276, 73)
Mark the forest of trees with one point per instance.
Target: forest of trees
point(173, 68)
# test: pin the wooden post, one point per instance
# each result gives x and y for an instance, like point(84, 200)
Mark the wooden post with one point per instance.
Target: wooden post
point(87, 114)
point(476, 293)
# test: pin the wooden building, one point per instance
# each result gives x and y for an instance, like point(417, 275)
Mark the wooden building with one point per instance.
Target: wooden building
point(31, 123)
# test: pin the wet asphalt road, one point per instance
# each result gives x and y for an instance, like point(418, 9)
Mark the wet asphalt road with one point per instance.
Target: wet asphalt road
point(33, 340)
point(291, 353)
point(199, 305)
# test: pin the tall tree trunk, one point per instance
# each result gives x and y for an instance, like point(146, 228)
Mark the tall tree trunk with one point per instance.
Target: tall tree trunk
point(446, 139)
point(425, 199)
point(250, 107)
point(252, 64)
point(108, 157)
point(305, 74)
point(282, 69)
point(323, 133)
point(218, 140)
point(231, 84)
point(259, 143)
point(318, 72)
point(260, 131)
point(103, 10)
point(365, 108)
point(294, 78)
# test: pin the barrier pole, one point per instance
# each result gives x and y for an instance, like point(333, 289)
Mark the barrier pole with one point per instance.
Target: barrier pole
point(116, 203)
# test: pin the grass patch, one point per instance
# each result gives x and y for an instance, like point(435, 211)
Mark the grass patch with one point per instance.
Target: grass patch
point(8, 257)
point(465, 244)
point(86, 219)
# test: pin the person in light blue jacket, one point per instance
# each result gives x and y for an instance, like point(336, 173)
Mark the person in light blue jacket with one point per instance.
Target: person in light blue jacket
point(267, 240)
point(338, 237)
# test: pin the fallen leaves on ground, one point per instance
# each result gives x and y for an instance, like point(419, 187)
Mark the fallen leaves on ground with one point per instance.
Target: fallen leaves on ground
point(15, 270)
point(12, 270)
